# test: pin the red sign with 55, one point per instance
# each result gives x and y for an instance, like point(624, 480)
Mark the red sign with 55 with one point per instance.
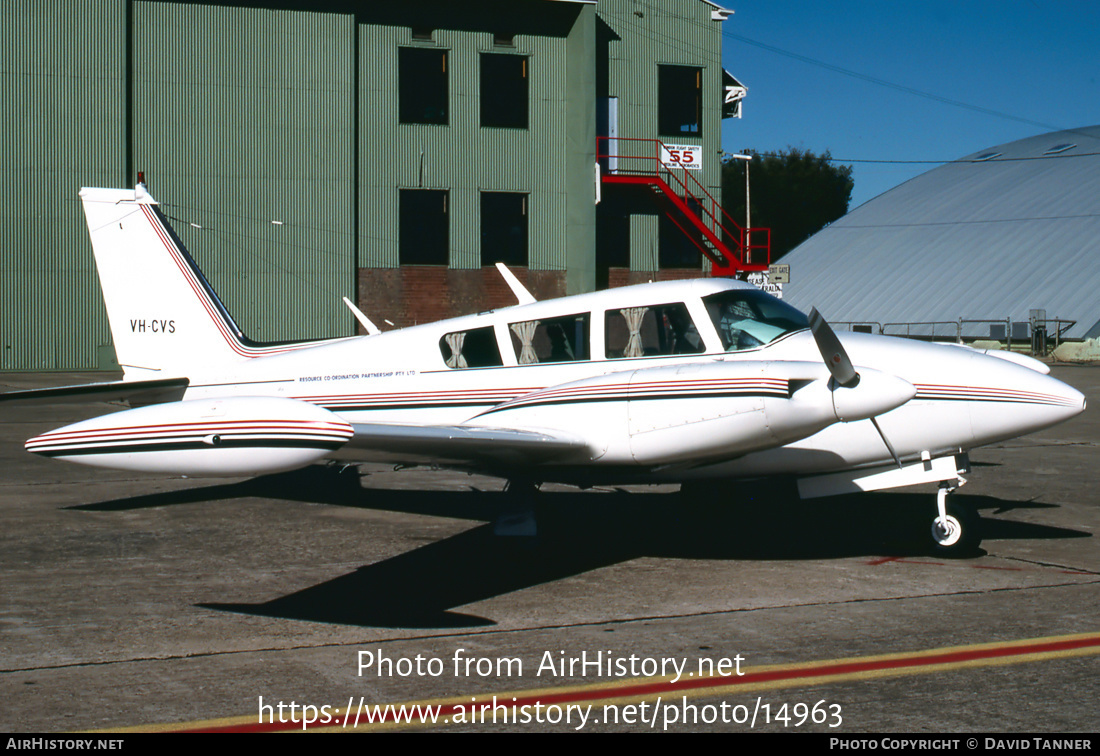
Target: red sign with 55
point(687, 156)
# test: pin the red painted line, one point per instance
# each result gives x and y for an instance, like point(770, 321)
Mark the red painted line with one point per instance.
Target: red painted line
point(807, 672)
point(636, 390)
point(108, 433)
point(991, 394)
point(902, 560)
point(234, 427)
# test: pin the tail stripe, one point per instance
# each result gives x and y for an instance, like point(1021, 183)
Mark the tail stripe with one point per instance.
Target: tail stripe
point(217, 312)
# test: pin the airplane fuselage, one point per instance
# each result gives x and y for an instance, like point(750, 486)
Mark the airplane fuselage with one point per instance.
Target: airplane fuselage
point(964, 398)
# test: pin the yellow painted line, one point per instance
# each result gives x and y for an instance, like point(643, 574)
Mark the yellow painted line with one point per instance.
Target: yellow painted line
point(468, 708)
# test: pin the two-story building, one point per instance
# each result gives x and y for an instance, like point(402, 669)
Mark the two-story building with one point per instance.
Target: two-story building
point(387, 152)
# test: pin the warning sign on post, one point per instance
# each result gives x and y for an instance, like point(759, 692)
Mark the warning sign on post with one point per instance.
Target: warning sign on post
point(759, 279)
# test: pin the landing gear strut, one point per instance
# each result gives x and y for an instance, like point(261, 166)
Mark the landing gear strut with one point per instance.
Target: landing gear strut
point(955, 529)
point(517, 516)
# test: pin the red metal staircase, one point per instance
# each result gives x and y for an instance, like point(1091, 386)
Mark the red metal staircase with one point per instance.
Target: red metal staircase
point(730, 247)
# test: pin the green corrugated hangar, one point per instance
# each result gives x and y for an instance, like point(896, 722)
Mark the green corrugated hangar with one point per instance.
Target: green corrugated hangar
point(387, 152)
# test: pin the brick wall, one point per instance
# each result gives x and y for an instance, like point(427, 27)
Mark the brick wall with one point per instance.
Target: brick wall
point(415, 294)
point(625, 277)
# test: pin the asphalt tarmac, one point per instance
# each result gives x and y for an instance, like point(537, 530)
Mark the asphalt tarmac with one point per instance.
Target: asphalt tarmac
point(131, 600)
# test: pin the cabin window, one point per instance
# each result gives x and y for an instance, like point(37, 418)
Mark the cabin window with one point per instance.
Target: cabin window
point(471, 349)
point(504, 228)
point(679, 101)
point(423, 235)
point(747, 318)
point(657, 330)
point(504, 91)
point(422, 85)
point(563, 339)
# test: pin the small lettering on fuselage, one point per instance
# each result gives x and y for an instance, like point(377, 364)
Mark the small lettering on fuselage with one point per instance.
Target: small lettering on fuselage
point(355, 376)
point(152, 326)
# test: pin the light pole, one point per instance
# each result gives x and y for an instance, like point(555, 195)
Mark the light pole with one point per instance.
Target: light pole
point(748, 211)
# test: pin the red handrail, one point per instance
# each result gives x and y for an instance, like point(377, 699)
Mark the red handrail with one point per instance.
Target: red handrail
point(683, 185)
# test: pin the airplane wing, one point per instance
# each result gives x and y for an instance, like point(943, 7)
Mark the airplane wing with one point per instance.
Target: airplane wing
point(463, 445)
point(136, 392)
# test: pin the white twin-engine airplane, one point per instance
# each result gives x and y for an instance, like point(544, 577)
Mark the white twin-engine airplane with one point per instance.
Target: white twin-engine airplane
point(666, 382)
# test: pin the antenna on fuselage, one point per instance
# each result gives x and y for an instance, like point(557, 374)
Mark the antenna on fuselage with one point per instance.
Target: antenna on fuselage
point(524, 296)
point(364, 321)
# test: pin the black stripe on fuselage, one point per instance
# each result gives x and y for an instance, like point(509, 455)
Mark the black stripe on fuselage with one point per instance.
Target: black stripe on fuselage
point(518, 402)
point(656, 396)
point(224, 443)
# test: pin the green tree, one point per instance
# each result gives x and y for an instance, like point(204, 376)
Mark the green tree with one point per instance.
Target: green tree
point(795, 193)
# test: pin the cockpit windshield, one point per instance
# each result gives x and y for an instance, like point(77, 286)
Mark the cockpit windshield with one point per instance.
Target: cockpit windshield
point(747, 318)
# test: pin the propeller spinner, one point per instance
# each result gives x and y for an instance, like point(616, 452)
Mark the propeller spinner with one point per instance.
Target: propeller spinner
point(840, 366)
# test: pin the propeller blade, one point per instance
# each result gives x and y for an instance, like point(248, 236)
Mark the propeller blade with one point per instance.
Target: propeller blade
point(840, 366)
point(832, 351)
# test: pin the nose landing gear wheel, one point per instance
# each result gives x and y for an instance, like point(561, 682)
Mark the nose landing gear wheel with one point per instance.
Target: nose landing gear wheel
point(955, 529)
point(946, 532)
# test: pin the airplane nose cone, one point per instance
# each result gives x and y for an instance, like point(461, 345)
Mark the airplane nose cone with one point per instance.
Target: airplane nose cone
point(1063, 400)
point(1013, 400)
point(1075, 400)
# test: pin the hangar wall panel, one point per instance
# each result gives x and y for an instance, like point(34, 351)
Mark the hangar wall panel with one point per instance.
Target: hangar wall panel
point(243, 117)
point(62, 71)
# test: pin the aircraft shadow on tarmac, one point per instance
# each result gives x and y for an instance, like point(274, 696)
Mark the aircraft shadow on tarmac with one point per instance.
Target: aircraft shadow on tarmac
point(578, 532)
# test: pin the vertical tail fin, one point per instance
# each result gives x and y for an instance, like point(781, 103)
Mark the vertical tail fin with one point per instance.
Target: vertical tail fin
point(164, 316)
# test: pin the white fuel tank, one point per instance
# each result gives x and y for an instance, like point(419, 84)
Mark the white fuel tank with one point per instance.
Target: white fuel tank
point(229, 437)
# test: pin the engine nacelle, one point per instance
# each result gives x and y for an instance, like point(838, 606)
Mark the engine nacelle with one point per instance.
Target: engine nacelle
point(719, 410)
point(232, 436)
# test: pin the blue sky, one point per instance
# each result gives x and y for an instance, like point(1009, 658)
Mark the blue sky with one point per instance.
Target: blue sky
point(1034, 60)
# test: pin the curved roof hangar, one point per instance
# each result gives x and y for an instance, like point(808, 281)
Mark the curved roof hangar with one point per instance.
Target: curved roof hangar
point(992, 235)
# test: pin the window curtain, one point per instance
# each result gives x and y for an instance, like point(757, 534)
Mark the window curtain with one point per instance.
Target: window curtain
point(633, 316)
point(525, 332)
point(455, 341)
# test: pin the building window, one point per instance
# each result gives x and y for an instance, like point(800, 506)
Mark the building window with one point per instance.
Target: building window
point(504, 91)
point(503, 228)
point(422, 85)
point(679, 101)
point(423, 234)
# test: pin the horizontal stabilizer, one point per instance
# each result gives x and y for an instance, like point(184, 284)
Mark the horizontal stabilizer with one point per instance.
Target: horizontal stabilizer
point(137, 392)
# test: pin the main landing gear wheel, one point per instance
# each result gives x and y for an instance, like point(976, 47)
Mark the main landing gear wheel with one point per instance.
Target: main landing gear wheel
point(956, 528)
